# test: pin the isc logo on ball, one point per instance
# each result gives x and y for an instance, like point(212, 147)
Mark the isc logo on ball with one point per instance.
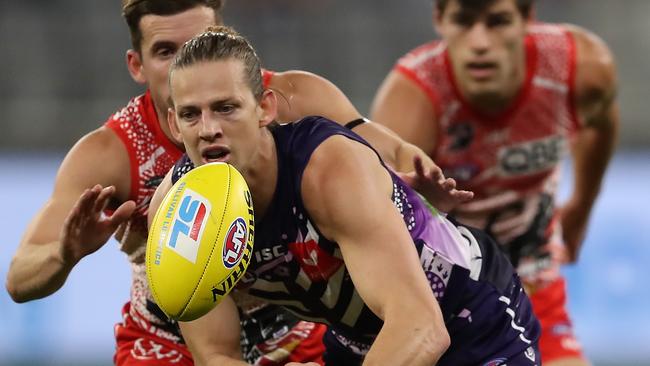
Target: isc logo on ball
point(188, 225)
point(235, 243)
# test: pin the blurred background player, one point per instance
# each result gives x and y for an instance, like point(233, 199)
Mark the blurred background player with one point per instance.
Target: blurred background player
point(496, 102)
point(129, 155)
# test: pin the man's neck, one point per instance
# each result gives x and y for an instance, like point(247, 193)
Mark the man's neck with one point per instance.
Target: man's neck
point(262, 176)
point(164, 126)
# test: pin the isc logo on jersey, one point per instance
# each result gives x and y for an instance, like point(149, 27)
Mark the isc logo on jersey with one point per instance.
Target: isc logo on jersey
point(235, 243)
point(188, 224)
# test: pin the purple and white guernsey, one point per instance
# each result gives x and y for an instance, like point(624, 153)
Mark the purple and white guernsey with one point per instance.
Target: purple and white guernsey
point(486, 312)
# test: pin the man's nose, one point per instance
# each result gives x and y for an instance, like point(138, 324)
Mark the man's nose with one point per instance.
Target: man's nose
point(478, 38)
point(210, 127)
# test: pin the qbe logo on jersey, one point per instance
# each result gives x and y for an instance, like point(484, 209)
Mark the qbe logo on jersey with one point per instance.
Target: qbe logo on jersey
point(531, 157)
point(188, 225)
point(235, 243)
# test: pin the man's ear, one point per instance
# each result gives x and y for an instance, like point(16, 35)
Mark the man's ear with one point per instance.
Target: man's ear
point(134, 64)
point(269, 107)
point(173, 125)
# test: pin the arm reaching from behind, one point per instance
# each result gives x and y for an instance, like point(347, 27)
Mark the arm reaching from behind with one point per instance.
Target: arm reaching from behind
point(71, 224)
point(594, 143)
point(303, 94)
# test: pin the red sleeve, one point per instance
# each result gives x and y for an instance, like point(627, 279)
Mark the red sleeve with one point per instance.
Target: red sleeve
point(267, 75)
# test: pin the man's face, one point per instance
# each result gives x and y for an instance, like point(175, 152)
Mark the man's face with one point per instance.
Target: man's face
point(162, 37)
point(218, 116)
point(486, 48)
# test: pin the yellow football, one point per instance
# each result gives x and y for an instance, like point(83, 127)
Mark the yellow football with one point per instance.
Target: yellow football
point(200, 241)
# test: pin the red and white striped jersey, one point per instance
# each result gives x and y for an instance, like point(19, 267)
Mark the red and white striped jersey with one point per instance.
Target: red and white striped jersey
point(511, 160)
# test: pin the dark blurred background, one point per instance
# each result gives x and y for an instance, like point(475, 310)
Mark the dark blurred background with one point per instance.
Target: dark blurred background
point(62, 73)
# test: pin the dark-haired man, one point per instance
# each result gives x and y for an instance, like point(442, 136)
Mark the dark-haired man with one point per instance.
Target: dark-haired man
point(496, 102)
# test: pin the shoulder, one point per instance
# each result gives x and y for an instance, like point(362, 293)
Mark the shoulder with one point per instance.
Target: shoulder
point(100, 144)
point(417, 75)
point(298, 86)
point(332, 151)
point(340, 176)
point(129, 112)
point(595, 65)
point(287, 79)
point(99, 157)
point(422, 54)
point(303, 93)
point(340, 159)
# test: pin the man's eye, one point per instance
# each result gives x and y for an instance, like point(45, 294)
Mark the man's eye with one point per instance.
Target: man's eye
point(498, 21)
point(188, 116)
point(165, 52)
point(464, 20)
point(227, 108)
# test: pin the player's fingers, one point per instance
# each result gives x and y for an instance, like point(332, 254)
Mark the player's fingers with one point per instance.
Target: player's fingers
point(463, 196)
point(448, 184)
point(78, 212)
point(73, 215)
point(103, 198)
point(87, 201)
point(122, 214)
point(419, 166)
point(76, 218)
point(435, 174)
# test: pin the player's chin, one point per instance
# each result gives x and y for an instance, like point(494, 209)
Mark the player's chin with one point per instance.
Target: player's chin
point(485, 90)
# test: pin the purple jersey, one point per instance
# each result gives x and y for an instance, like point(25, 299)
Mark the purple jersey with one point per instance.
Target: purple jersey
point(294, 265)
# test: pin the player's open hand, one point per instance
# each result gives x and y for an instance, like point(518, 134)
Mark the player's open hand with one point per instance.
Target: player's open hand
point(441, 192)
point(86, 228)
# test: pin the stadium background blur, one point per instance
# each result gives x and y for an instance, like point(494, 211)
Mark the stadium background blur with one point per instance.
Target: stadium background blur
point(62, 74)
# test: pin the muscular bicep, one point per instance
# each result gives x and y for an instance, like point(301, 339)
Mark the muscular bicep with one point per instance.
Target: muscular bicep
point(596, 81)
point(354, 208)
point(98, 158)
point(404, 107)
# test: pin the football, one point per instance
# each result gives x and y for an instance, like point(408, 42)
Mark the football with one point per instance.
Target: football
point(200, 241)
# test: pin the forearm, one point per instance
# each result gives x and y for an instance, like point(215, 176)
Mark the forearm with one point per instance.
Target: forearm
point(394, 151)
point(214, 339)
point(419, 343)
point(405, 156)
point(592, 151)
point(36, 271)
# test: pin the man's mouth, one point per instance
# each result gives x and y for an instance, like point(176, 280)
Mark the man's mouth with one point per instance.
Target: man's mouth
point(214, 154)
point(481, 70)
